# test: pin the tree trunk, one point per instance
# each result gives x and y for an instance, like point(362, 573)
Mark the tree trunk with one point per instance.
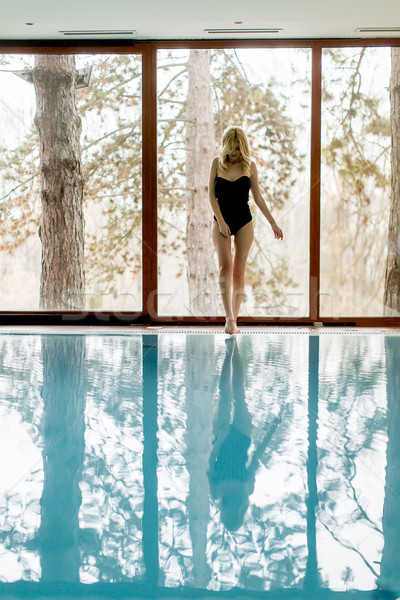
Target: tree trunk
point(392, 279)
point(62, 229)
point(200, 145)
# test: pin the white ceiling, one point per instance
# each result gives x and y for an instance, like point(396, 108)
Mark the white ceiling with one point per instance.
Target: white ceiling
point(186, 19)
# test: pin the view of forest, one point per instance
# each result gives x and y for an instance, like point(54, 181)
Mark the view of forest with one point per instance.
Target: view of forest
point(85, 147)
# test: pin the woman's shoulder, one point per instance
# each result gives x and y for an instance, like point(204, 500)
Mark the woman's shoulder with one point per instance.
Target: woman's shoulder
point(253, 168)
point(215, 164)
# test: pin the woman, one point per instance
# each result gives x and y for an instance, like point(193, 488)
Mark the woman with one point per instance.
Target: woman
point(232, 175)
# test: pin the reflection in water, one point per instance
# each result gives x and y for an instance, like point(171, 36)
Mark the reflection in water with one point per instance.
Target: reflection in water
point(258, 388)
point(63, 393)
point(231, 474)
point(198, 408)
point(150, 505)
point(111, 515)
point(311, 579)
point(390, 563)
point(268, 463)
point(351, 460)
point(21, 469)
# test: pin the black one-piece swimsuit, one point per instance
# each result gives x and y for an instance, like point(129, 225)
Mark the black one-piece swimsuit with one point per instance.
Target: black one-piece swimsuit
point(233, 200)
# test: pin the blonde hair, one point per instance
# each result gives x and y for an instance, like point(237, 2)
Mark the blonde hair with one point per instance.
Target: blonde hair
point(234, 135)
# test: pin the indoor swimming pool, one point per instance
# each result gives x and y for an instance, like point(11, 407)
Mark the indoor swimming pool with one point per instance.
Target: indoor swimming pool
point(193, 465)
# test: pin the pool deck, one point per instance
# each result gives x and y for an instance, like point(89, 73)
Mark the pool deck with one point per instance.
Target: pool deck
point(192, 329)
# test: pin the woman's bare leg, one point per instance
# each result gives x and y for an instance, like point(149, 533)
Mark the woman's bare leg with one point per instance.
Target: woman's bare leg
point(224, 254)
point(243, 240)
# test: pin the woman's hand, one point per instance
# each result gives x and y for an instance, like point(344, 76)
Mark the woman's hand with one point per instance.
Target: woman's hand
point(277, 231)
point(224, 229)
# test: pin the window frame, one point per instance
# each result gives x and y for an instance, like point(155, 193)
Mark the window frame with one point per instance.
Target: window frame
point(148, 50)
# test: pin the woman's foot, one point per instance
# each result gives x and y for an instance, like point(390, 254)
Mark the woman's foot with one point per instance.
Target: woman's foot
point(230, 326)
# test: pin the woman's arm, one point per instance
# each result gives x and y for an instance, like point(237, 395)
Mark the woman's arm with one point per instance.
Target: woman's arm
point(258, 199)
point(223, 227)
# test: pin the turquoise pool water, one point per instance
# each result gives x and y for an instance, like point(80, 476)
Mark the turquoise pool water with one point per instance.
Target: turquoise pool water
point(194, 465)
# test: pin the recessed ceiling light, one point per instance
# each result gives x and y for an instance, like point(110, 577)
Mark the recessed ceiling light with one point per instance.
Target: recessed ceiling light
point(242, 30)
point(238, 22)
point(99, 32)
point(377, 29)
point(29, 23)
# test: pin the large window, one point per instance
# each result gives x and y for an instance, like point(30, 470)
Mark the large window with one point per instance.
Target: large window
point(200, 93)
point(104, 172)
point(96, 123)
point(355, 180)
